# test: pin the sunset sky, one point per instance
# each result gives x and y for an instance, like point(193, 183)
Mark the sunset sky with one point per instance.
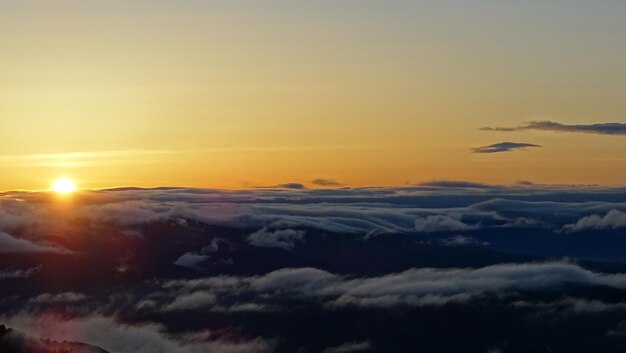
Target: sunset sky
point(238, 94)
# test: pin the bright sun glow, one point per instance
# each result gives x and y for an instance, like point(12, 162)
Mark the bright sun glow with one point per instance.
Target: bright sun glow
point(63, 186)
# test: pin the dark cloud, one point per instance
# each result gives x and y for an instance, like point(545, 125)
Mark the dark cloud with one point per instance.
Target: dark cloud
point(60, 298)
point(442, 223)
point(294, 186)
point(191, 301)
point(461, 240)
point(12, 273)
point(572, 306)
point(350, 347)
point(327, 183)
point(600, 129)
point(108, 332)
point(503, 147)
point(619, 331)
point(457, 184)
point(285, 239)
point(528, 183)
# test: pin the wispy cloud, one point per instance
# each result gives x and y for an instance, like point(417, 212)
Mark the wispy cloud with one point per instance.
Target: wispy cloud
point(12, 273)
point(599, 129)
point(457, 184)
point(75, 159)
point(350, 347)
point(503, 147)
point(327, 182)
point(11, 245)
point(294, 186)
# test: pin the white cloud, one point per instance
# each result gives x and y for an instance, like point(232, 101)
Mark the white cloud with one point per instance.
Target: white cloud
point(614, 219)
point(9, 244)
point(415, 287)
point(190, 260)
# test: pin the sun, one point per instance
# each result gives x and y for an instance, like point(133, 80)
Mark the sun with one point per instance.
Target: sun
point(63, 186)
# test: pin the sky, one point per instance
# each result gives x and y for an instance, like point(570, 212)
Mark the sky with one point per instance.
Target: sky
point(238, 94)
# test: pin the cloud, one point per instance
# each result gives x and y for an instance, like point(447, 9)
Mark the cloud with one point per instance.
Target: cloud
point(9, 244)
point(460, 240)
point(619, 331)
point(285, 239)
point(349, 347)
point(585, 306)
point(453, 184)
point(437, 287)
point(243, 308)
point(77, 159)
point(442, 223)
point(28, 216)
point(600, 129)
point(326, 183)
point(126, 213)
point(277, 216)
point(414, 287)
point(614, 219)
point(60, 298)
point(190, 260)
point(294, 186)
point(303, 280)
point(503, 147)
point(544, 213)
point(571, 306)
point(195, 300)
point(114, 336)
point(13, 274)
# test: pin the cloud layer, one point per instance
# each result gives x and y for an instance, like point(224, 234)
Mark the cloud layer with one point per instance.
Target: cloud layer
point(106, 331)
point(600, 129)
point(434, 206)
point(146, 270)
point(415, 287)
point(504, 147)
